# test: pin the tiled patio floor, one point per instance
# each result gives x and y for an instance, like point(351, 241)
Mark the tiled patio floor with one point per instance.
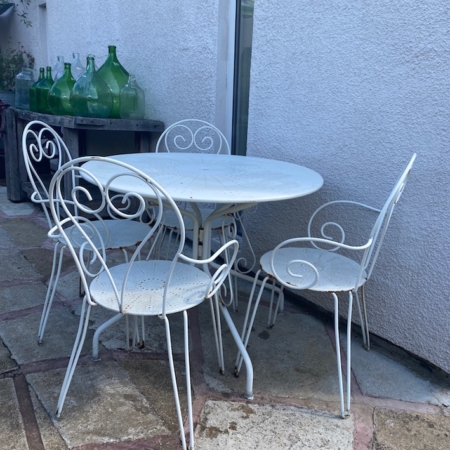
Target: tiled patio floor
point(125, 400)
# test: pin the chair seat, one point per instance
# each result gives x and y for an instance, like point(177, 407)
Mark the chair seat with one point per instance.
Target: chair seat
point(337, 273)
point(145, 288)
point(121, 233)
point(171, 221)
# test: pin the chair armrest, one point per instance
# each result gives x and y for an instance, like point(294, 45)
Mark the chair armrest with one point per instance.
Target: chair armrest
point(223, 270)
point(324, 229)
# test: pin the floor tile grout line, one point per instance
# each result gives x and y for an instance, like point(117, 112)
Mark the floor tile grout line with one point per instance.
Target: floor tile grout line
point(26, 409)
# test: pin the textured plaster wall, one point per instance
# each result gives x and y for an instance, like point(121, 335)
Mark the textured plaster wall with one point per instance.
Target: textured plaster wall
point(171, 47)
point(352, 89)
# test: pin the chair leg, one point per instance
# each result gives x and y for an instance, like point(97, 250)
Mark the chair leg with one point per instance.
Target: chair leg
point(174, 382)
point(52, 284)
point(249, 319)
point(366, 323)
point(188, 379)
point(279, 307)
point(248, 363)
point(345, 410)
point(217, 328)
point(77, 347)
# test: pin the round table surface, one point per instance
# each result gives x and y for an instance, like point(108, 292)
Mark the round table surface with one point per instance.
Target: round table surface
point(212, 178)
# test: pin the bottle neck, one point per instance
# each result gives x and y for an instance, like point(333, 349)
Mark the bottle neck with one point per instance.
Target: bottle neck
point(112, 51)
point(90, 64)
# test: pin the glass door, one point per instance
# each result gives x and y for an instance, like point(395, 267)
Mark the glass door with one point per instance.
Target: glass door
point(241, 88)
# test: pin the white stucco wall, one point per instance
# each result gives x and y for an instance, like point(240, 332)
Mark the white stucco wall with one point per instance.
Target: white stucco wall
point(352, 89)
point(171, 47)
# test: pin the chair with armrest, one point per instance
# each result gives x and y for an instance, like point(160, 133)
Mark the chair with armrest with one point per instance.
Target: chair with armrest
point(150, 287)
point(333, 263)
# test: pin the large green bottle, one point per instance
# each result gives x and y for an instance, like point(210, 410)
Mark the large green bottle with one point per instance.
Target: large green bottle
point(59, 95)
point(115, 76)
point(42, 90)
point(91, 96)
point(33, 99)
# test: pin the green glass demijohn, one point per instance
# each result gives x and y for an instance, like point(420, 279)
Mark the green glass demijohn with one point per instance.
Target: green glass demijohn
point(115, 76)
point(42, 90)
point(59, 95)
point(91, 96)
point(33, 93)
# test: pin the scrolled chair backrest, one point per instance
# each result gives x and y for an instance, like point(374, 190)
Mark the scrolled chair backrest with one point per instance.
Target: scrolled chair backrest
point(332, 235)
point(111, 186)
point(381, 225)
point(41, 144)
point(193, 136)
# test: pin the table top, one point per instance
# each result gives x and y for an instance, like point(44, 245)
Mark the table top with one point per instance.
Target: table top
point(212, 178)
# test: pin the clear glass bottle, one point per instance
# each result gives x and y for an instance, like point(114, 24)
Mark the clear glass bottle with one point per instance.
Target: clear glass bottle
point(77, 67)
point(59, 95)
point(132, 100)
point(115, 76)
point(32, 92)
point(58, 68)
point(42, 90)
point(24, 80)
point(91, 96)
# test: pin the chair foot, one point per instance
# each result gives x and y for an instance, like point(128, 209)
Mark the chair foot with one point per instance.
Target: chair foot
point(236, 372)
point(248, 396)
point(40, 342)
point(95, 358)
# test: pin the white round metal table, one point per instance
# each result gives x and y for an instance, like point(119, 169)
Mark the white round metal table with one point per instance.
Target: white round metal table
point(232, 182)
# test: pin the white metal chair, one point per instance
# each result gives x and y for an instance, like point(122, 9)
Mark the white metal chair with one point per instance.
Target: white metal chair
point(199, 136)
point(151, 287)
point(333, 263)
point(42, 146)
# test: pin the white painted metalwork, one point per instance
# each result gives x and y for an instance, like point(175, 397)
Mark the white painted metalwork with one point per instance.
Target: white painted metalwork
point(41, 145)
point(199, 136)
point(332, 265)
point(233, 183)
point(150, 287)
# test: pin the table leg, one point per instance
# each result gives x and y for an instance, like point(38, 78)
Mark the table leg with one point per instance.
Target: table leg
point(243, 351)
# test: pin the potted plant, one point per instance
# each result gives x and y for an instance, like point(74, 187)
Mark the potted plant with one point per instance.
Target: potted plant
point(21, 7)
point(11, 62)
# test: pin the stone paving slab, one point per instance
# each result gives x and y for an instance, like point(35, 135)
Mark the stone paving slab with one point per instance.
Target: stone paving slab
point(16, 298)
point(293, 359)
point(15, 209)
point(51, 439)
point(265, 427)
point(406, 431)
point(14, 266)
point(25, 233)
point(20, 336)
point(7, 364)
point(11, 425)
point(102, 405)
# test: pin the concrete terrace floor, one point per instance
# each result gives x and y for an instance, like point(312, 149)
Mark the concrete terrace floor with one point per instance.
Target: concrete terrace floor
point(125, 400)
